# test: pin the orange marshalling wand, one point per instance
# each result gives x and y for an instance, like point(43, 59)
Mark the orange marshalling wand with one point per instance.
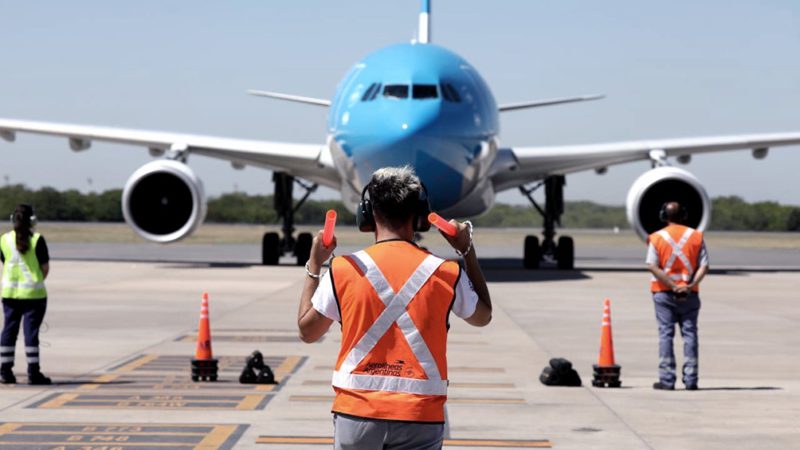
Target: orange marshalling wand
point(439, 222)
point(330, 224)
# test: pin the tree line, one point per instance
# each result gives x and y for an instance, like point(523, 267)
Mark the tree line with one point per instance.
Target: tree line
point(729, 213)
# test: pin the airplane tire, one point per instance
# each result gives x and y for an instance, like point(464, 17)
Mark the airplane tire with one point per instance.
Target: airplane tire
point(302, 248)
point(565, 253)
point(532, 253)
point(270, 249)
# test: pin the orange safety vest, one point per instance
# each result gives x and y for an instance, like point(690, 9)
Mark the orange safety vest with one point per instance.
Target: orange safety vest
point(394, 301)
point(678, 248)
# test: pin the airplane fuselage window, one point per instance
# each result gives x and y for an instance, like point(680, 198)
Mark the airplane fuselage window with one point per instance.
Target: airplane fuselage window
point(424, 91)
point(395, 91)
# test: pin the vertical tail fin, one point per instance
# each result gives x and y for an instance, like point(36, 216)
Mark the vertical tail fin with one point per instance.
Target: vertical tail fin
point(424, 36)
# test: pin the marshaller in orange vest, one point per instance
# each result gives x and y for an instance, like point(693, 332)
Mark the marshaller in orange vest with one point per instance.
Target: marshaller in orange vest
point(678, 259)
point(392, 301)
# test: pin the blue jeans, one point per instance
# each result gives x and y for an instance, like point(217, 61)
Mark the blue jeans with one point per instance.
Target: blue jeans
point(670, 311)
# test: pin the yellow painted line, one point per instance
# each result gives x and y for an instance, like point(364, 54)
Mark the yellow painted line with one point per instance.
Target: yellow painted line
point(250, 402)
point(216, 438)
point(288, 364)
point(59, 401)
point(7, 428)
point(500, 443)
point(136, 363)
point(98, 381)
point(265, 387)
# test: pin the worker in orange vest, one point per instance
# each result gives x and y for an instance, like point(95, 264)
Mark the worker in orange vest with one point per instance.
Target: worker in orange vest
point(678, 259)
point(393, 301)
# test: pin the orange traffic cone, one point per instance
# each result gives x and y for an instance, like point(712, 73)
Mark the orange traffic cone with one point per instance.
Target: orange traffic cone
point(606, 372)
point(204, 366)
point(203, 332)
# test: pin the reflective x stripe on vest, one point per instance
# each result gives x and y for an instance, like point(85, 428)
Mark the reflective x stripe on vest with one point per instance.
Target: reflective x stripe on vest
point(677, 253)
point(394, 312)
point(18, 280)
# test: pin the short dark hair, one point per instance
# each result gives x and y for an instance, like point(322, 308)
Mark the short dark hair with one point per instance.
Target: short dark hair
point(674, 212)
point(394, 193)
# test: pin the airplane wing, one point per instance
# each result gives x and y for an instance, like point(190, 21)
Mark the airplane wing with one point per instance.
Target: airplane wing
point(516, 166)
point(309, 161)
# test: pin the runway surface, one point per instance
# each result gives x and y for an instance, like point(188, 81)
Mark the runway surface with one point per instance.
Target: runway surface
point(120, 335)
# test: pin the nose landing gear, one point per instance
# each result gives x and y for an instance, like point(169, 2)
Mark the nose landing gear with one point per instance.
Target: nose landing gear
point(274, 245)
point(562, 253)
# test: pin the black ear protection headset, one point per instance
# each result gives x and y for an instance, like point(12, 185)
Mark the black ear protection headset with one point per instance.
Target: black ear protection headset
point(365, 218)
point(27, 212)
point(662, 215)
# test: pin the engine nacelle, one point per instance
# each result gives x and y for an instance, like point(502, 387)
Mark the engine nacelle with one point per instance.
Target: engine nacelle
point(663, 184)
point(164, 201)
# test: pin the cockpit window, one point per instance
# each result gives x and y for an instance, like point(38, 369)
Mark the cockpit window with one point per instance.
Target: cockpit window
point(450, 93)
point(423, 91)
point(376, 91)
point(395, 91)
point(372, 91)
point(368, 93)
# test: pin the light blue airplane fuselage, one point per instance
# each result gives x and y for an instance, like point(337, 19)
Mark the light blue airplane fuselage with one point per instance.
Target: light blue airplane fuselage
point(450, 138)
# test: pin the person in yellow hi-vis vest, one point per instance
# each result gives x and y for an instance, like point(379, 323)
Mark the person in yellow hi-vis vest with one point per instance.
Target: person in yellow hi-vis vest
point(393, 301)
point(26, 263)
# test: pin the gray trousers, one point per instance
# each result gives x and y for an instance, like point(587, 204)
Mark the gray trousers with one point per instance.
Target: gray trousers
point(671, 311)
point(356, 433)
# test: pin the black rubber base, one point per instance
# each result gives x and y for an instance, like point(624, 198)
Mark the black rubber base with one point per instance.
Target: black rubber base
point(204, 370)
point(606, 376)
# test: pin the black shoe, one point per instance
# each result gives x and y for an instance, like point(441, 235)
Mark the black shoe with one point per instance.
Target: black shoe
point(8, 378)
point(663, 387)
point(691, 387)
point(39, 379)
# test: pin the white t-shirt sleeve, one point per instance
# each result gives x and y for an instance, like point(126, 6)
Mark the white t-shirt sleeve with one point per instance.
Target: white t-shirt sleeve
point(702, 258)
point(324, 299)
point(652, 255)
point(466, 298)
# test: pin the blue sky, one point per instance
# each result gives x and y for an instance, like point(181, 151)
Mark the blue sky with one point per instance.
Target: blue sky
point(670, 69)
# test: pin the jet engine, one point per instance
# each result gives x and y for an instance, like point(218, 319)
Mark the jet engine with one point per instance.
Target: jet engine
point(660, 185)
point(163, 201)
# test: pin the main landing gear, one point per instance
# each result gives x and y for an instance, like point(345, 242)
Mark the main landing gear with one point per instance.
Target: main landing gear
point(273, 245)
point(562, 253)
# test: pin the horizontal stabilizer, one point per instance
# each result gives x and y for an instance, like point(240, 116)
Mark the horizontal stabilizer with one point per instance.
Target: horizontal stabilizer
point(291, 98)
point(549, 102)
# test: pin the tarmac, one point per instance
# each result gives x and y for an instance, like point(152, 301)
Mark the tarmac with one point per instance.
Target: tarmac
point(121, 332)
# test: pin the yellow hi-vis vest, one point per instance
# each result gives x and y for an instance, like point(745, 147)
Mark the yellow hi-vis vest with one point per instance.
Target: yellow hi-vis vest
point(23, 278)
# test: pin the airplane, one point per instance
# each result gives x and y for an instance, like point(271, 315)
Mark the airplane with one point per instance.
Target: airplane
point(414, 103)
